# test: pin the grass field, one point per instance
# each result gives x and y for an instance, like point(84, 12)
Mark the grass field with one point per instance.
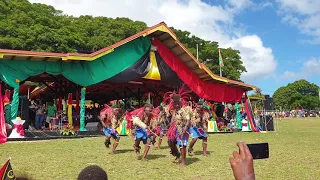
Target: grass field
point(294, 154)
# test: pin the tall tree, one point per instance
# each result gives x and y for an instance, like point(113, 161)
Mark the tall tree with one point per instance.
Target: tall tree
point(39, 27)
point(300, 94)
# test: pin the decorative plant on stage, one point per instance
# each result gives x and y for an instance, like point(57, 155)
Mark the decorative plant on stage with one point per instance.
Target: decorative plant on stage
point(67, 130)
point(222, 127)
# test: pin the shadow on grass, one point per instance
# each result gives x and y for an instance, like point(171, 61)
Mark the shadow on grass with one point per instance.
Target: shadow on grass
point(122, 151)
point(192, 160)
point(161, 147)
point(154, 156)
point(164, 147)
point(200, 152)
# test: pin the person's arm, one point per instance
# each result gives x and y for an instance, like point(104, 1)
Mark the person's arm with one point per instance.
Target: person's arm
point(118, 123)
point(102, 120)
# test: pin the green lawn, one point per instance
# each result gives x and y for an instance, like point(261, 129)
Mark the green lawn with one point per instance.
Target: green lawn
point(294, 154)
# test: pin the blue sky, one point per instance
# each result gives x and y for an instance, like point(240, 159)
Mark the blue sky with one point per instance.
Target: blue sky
point(279, 40)
point(286, 41)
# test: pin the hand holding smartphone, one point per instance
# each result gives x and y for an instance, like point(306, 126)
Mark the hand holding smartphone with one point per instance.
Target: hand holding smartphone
point(242, 163)
point(259, 151)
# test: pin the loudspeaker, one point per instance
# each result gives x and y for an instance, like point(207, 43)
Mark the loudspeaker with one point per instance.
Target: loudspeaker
point(93, 126)
point(267, 123)
point(268, 103)
point(219, 110)
point(24, 111)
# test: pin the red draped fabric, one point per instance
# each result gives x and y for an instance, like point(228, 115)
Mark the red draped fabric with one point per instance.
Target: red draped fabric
point(247, 106)
point(207, 90)
point(59, 104)
point(3, 131)
point(69, 99)
point(8, 94)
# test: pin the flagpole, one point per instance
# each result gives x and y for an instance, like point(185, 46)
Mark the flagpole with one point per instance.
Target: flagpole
point(197, 52)
point(319, 94)
point(220, 64)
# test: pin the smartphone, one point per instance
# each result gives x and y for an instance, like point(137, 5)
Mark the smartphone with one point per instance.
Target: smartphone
point(259, 151)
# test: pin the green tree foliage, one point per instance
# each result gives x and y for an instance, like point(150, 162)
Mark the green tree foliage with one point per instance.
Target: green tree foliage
point(298, 94)
point(209, 54)
point(39, 27)
point(256, 98)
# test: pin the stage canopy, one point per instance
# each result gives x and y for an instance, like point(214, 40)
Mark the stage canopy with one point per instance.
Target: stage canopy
point(153, 54)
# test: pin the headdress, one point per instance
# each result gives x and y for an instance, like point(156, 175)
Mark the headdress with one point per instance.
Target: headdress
point(117, 104)
point(181, 96)
point(136, 113)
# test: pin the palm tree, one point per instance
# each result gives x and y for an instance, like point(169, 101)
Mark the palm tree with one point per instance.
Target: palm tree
point(258, 92)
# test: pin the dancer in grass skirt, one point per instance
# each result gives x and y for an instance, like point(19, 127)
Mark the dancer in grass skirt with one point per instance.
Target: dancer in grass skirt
point(160, 123)
point(199, 127)
point(141, 120)
point(110, 118)
point(178, 132)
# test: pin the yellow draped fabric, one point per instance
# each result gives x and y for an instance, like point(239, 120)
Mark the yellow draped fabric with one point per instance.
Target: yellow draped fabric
point(210, 126)
point(153, 73)
point(70, 114)
point(119, 129)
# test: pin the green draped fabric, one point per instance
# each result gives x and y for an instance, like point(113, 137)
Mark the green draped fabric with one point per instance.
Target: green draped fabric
point(8, 114)
point(82, 109)
point(15, 102)
point(123, 130)
point(84, 73)
point(238, 116)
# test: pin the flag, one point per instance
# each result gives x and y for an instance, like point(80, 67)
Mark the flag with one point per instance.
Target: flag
point(221, 63)
point(6, 172)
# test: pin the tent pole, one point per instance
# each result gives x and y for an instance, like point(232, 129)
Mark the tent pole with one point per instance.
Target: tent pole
point(82, 109)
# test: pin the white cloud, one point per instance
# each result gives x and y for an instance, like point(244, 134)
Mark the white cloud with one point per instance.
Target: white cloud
point(263, 5)
point(304, 14)
point(259, 61)
point(308, 69)
point(312, 66)
point(304, 7)
point(288, 75)
point(211, 22)
point(237, 5)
